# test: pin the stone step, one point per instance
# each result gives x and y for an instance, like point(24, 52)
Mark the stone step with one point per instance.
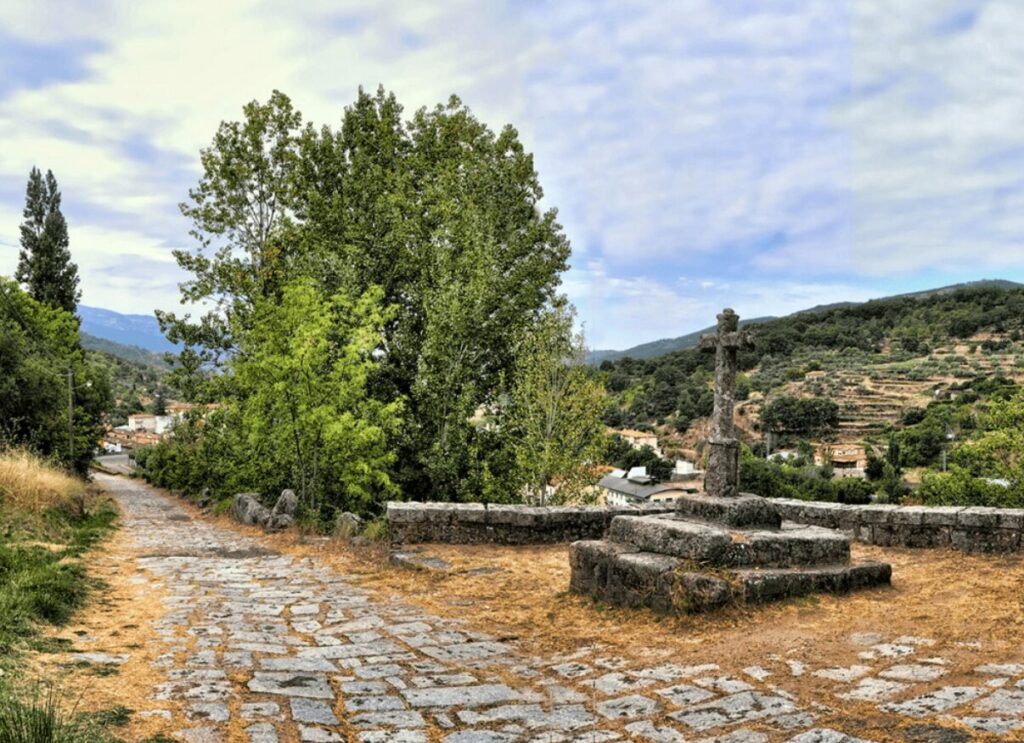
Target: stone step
point(620, 575)
point(744, 510)
point(713, 545)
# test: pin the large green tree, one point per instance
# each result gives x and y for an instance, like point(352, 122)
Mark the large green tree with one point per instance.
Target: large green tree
point(554, 421)
point(44, 262)
point(440, 212)
point(301, 375)
point(45, 377)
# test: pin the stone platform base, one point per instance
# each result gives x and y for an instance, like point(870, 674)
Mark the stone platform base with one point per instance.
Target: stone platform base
point(623, 575)
point(716, 551)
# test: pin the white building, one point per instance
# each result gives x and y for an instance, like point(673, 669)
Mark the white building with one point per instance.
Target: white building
point(631, 488)
point(151, 423)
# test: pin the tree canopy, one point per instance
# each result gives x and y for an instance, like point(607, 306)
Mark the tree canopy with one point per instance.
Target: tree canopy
point(438, 219)
point(40, 357)
point(44, 261)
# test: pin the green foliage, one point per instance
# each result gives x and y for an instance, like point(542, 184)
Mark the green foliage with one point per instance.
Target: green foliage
point(296, 411)
point(553, 424)
point(44, 261)
point(798, 415)
point(807, 482)
point(958, 487)
point(439, 214)
point(38, 346)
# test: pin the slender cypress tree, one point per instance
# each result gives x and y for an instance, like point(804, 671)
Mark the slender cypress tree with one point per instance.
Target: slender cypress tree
point(44, 264)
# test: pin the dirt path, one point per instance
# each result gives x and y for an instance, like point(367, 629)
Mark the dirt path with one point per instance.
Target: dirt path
point(250, 644)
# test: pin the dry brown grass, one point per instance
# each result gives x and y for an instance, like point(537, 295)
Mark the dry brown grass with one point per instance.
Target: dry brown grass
point(119, 620)
point(29, 483)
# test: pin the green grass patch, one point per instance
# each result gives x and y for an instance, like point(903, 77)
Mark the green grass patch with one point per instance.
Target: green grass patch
point(42, 579)
point(41, 718)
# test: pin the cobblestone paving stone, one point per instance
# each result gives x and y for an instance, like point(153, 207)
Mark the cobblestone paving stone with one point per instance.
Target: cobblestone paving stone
point(280, 649)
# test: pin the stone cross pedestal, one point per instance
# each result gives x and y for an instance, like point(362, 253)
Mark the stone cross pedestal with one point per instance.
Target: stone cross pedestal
point(723, 468)
point(720, 546)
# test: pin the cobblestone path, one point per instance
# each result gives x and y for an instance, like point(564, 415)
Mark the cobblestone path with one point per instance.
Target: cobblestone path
point(264, 647)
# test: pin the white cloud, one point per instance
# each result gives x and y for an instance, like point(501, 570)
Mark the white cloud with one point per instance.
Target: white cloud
point(938, 145)
point(778, 154)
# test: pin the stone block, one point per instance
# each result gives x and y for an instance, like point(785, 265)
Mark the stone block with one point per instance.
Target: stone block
point(641, 579)
point(590, 563)
point(742, 510)
point(807, 545)
point(908, 515)
point(876, 514)
point(677, 537)
point(470, 513)
point(820, 514)
point(505, 515)
point(1010, 518)
point(994, 540)
point(768, 585)
point(404, 513)
point(976, 517)
point(698, 592)
point(961, 539)
point(941, 515)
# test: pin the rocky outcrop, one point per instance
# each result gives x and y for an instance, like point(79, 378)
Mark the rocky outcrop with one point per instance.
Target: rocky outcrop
point(283, 514)
point(247, 509)
point(347, 525)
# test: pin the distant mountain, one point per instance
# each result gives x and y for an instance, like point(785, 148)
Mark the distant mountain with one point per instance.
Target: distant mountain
point(133, 354)
point(660, 348)
point(141, 331)
point(667, 345)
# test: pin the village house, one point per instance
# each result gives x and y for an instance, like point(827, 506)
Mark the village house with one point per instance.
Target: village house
point(638, 439)
point(149, 423)
point(636, 487)
point(847, 460)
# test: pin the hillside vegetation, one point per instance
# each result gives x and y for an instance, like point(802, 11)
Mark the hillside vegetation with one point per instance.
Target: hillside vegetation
point(914, 379)
point(873, 359)
point(653, 349)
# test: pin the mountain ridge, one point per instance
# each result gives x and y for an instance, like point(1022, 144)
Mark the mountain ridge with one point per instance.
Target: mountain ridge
point(653, 349)
point(139, 331)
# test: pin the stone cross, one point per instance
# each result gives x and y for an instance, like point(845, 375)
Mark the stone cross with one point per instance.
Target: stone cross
point(723, 469)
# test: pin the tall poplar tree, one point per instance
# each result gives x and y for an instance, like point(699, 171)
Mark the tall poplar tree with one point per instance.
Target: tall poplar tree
point(44, 263)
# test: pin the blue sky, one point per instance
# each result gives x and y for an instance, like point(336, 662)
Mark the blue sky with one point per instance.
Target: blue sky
point(764, 154)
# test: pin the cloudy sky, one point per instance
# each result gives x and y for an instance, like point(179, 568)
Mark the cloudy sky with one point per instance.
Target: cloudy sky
point(764, 154)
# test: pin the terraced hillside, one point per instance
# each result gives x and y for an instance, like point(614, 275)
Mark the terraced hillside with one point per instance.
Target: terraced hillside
point(875, 360)
point(874, 392)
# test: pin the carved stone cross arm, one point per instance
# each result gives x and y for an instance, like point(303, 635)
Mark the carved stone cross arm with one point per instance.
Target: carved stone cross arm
point(741, 340)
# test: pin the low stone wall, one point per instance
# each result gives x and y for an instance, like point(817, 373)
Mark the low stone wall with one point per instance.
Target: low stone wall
point(478, 523)
point(971, 529)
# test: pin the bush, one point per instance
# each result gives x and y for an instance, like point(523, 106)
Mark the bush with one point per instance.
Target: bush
point(773, 480)
point(958, 487)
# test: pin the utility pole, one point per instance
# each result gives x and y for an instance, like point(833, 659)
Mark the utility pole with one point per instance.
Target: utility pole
point(71, 420)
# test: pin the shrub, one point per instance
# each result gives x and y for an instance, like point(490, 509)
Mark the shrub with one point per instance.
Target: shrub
point(958, 487)
point(40, 719)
